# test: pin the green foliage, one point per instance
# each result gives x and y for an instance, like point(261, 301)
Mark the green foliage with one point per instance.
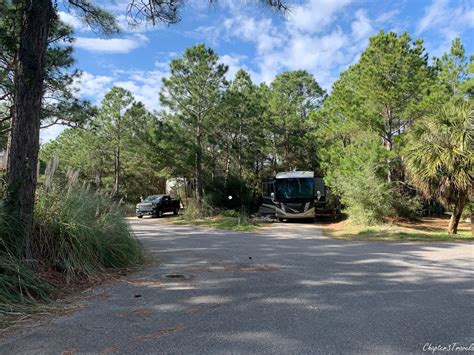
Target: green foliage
point(406, 202)
point(238, 143)
point(193, 90)
point(194, 210)
point(358, 180)
point(293, 96)
point(62, 106)
point(218, 191)
point(454, 72)
point(82, 233)
point(440, 159)
point(20, 288)
point(116, 152)
point(364, 123)
point(231, 135)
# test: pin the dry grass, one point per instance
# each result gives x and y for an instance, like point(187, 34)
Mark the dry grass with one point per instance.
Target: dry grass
point(426, 229)
point(220, 222)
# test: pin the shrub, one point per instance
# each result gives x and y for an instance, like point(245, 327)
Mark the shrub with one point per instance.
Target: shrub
point(217, 193)
point(468, 210)
point(406, 204)
point(367, 198)
point(82, 233)
point(195, 211)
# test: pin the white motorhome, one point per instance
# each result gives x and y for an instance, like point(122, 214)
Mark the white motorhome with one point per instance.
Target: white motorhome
point(293, 195)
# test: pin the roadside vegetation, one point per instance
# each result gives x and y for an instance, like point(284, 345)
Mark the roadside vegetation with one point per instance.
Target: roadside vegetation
point(398, 148)
point(220, 221)
point(206, 216)
point(423, 230)
point(393, 139)
point(80, 236)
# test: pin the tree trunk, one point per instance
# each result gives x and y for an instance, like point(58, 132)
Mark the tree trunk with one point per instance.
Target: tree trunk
point(117, 172)
point(472, 222)
point(389, 141)
point(456, 216)
point(240, 149)
point(198, 167)
point(24, 142)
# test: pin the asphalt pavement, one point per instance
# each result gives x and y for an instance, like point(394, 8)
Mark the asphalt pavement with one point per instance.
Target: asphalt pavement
point(285, 289)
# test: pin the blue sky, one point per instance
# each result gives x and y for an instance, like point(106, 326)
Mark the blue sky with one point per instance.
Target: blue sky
point(323, 37)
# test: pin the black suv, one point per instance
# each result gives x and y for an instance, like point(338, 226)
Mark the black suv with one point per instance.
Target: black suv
point(156, 205)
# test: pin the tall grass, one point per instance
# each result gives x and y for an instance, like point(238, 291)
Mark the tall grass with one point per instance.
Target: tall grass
point(20, 287)
point(80, 232)
point(77, 233)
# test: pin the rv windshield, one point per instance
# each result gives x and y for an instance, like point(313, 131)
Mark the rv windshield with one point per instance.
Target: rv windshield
point(294, 188)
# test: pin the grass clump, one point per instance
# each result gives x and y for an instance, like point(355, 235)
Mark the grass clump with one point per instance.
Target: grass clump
point(20, 288)
point(227, 219)
point(206, 215)
point(80, 232)
point(194, 210)
point(79, 235)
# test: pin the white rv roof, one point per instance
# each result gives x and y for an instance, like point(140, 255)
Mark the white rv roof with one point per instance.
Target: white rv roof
point(295, 174)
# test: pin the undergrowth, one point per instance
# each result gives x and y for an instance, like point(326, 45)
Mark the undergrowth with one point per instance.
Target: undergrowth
point(78, 233)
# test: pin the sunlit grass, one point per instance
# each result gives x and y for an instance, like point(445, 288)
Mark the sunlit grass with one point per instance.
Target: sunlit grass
point(220, 222)
point(395, 232)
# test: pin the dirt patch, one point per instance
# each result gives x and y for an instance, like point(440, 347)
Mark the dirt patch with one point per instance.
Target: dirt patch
point(396, 229)
point(225, 266)
point(429, 224)
point(158, 334)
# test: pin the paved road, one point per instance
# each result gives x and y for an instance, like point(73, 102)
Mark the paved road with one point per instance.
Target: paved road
point(285, 289)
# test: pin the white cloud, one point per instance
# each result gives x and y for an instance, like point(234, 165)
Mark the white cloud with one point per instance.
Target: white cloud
point(143, 84)
point(50, 133)
point(387, 16)
point(449, 20)
point(315, 15)
point(235, 63)
point(111, 45)
point(361, 27)
point(434, 14)
point(73, 21)
point(261, 32)
point(209, 34)
point(289, 49)
point(93, 86)
point(445, 19)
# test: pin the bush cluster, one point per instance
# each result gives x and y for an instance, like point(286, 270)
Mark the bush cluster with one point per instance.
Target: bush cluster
point(82, 233)
point(77, 232)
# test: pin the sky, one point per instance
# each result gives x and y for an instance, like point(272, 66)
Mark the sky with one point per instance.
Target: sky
point(323, 37)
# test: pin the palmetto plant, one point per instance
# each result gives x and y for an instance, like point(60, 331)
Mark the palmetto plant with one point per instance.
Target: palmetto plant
point(440, 159)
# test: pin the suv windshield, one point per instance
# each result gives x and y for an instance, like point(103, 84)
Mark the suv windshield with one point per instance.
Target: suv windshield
point(152, 198)
point(294, 188)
